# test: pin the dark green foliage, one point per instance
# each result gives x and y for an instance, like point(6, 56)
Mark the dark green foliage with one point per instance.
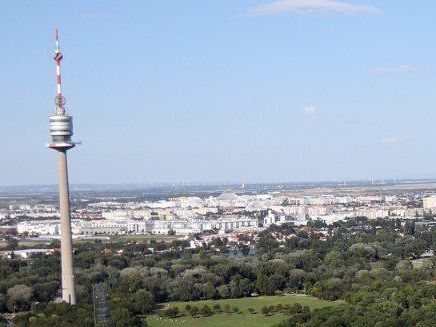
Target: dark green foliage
point(367, 264)
point(206, 311)
point(122, 317)
point(61, 314)
point(217, 307)
point(265, 311)
point(227, 309)
point(143, 302)
point(170, 312)
point(194, 311)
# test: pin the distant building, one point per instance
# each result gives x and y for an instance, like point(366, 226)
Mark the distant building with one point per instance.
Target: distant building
point(24, 254)
point(41, 227)
point(430, 202)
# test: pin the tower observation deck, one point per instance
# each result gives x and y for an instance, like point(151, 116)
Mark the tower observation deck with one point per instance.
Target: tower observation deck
point(61, 130)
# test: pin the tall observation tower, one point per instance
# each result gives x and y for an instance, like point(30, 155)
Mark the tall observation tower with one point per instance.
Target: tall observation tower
point(61, 130)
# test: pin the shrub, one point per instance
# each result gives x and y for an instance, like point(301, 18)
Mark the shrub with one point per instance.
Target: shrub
point(251, 310)
point(227, 308)
point(193, 311)
point(296, 308)
point(264, 311)
point(205, 311)
point(170, 312)
point(217, 307)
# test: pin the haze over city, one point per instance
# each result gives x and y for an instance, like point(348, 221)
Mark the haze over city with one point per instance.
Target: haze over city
point(242, 91)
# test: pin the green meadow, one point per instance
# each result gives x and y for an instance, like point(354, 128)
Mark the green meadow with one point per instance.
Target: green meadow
point(242, 319)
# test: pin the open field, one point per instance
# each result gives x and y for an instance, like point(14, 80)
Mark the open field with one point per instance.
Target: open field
point(238, 319)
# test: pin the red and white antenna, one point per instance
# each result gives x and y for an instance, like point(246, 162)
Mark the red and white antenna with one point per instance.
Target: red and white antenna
point(60, 99)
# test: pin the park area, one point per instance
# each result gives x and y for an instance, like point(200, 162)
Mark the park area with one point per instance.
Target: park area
point(236, 312)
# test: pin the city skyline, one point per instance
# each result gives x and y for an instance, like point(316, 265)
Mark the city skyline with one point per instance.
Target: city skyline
point(254, 91)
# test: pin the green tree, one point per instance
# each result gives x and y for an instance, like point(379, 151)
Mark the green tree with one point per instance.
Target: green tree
point(144, 302)
point(19, 297)
point(122, 317)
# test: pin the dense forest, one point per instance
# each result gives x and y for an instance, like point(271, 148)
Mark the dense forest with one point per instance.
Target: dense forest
point(372, 267)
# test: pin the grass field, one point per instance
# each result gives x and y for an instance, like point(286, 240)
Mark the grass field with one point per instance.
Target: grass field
point(238, 319)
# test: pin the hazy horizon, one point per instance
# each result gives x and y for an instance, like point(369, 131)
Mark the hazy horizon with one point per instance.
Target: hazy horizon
point(377, 181)
point(245, 91)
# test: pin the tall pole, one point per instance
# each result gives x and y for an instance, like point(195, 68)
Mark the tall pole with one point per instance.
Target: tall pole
point(68, 291)
point(61, 130)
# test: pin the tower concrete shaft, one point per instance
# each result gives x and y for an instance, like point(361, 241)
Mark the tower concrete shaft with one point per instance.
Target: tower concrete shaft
point(68, 290)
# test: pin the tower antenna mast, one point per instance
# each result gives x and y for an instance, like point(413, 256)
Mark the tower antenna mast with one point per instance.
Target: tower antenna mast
point(58, 56)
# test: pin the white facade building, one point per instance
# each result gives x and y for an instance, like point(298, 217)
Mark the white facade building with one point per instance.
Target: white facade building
point(430, 202)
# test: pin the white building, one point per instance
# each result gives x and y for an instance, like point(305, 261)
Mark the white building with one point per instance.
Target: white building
point(102, 227)
point(41, 227)
point(430, 202)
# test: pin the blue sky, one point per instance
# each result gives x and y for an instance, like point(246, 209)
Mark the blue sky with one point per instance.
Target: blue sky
point(221, 90)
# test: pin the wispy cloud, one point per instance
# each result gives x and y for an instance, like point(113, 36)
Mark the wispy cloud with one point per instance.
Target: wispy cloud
point(95, 15)
point(312, 7)
point(392, 140)
point(310, 111)
point(404, 69)
point(396, 70)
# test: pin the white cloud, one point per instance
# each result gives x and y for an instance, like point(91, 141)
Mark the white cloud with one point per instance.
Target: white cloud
point(392, 139)
point(312, 7)
point(310, 111)
point(404, 69)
